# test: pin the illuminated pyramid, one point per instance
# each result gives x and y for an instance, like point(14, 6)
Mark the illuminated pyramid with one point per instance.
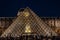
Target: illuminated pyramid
point(28, 23)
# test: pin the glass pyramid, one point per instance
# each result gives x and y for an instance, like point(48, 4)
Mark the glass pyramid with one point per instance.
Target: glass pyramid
point(28, 23)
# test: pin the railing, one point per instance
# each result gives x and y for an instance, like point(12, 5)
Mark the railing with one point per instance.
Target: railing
point(31, 37)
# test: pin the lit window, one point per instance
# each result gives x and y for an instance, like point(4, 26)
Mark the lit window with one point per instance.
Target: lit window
point(27, 29)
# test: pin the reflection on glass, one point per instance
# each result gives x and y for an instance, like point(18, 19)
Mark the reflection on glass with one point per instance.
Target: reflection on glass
point(27, 29)
point(26, 14)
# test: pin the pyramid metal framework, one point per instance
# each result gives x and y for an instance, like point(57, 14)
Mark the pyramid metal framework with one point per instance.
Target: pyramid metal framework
point(28, 23)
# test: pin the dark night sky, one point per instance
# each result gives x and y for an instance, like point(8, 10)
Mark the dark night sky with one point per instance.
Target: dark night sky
point(9, 8)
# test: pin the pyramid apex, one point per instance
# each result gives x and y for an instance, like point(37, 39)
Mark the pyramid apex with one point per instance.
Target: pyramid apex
point(27, 8)
point(23, 10)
